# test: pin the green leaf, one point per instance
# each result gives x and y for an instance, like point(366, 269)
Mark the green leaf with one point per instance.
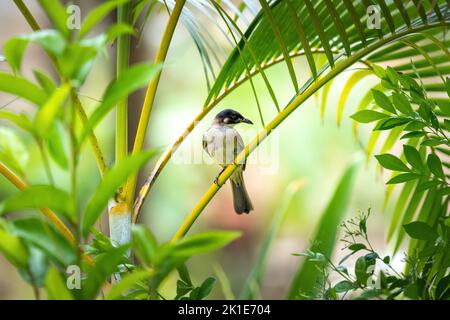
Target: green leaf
point(206, 288)
point(402, 103)
point(13, 249)
point(255, 277)
point(20, 120)
point(38, 197)
point(44, 236)
point(357, 246)
point(420, 230)
point(435, 165)
point(55, 143)
point(50, 40)
point(360, 271)
point(391, 162)
point(413, 157)
point(383, 101)
point(367, 116)
point(57, 14)
point(412, 134)
point(127, 283)
point(184, 274)
point(98, 14)
point(12, 150)
point(307, 274)
point(447, 86)
point(56, 286)
point(132, 79)
point(386, 124)
point(144, 243)
point(344, 286)
point(403, 178)
point(38, 265)
point(22, 88)
point(432, 142)
point(47, 113)
point(45, 81)
point(203, 243)
point(111, 182)
point(104, 266)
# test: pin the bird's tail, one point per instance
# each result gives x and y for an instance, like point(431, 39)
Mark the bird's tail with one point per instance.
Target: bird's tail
point(241, 200)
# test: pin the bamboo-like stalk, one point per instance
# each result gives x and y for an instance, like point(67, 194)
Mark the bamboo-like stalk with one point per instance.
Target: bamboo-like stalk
point(297, 101)
point(151, 92)
point(123, 53)
point(98, 154)
point(49, 214)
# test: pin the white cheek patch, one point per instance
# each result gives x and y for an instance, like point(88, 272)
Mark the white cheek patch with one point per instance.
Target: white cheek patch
point(226, 120)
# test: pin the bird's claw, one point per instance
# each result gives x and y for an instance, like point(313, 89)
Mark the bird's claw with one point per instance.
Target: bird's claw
point(216, 181)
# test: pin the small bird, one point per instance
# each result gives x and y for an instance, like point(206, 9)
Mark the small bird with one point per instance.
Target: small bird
point(223, 143)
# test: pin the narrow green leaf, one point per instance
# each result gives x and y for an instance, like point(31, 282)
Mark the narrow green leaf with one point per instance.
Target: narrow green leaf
point(98, 14)
point(435, 165)
point(386, 124)
point(55, 144)
point(38, 197)
point(206, 288)
point(22, 88)
point(13, 151)
point(20, 120)
point(326, 234)
point(420, 230)
point(132, 79)
point(45, 236)
point(50, 40)
point(391, 162)
point(13, 249)
point(402, 103)
point(413, 134)
point(47, 113)
point(45, 81)
point(383, 101)
point(275, 28)
point(257, 273)
point(57, 14)
point(111, 182)
point(126, 283)
point(144, 243)
point(344, 286)
point(413, 157)
point(367, 116)
point(56, 286)
point(349, 85)
point(403, 178)
point(203, 242)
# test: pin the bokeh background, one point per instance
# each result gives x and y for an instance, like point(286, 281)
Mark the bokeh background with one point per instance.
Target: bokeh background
point(304, 148)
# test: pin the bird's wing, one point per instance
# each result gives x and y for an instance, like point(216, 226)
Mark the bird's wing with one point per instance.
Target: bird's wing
point(205, 142)
point(239, 146)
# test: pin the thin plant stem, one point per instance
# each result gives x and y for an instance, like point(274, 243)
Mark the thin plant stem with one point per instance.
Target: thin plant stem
point(46, 162)
point(95, 146)
point(123, 53)
point(296, 102)
point(151, 92)
point(27, 15)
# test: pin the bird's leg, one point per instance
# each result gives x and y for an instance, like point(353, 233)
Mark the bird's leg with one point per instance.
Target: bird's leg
point(216, 180)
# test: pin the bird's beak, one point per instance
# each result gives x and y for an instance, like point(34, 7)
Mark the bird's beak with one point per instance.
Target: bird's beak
point(246, 121)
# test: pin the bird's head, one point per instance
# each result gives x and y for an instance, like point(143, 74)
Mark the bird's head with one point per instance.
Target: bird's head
point(230, 117)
